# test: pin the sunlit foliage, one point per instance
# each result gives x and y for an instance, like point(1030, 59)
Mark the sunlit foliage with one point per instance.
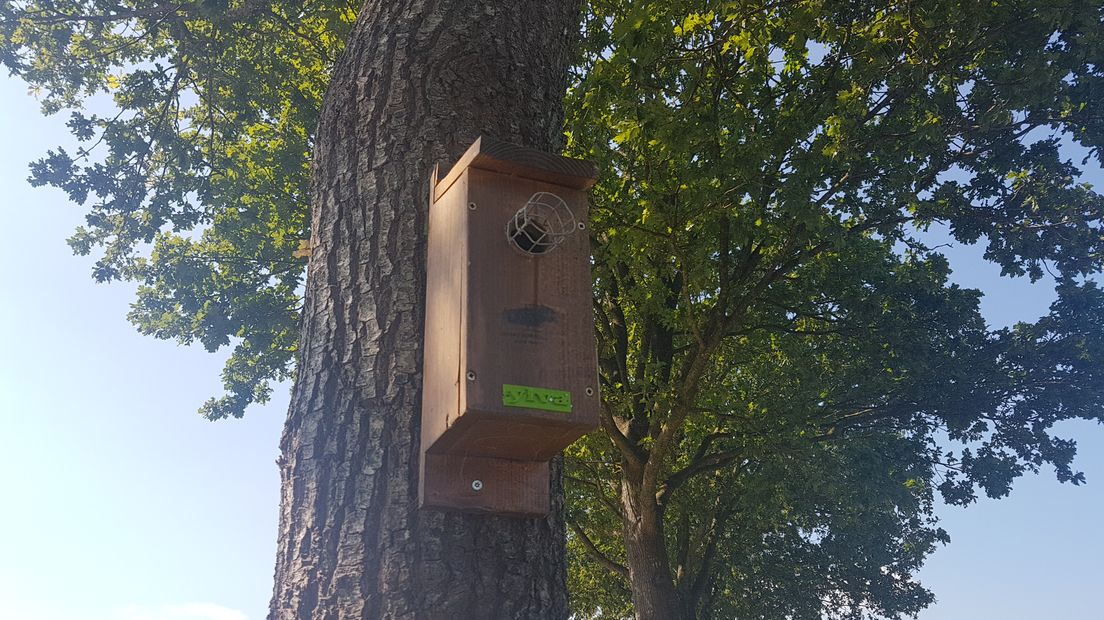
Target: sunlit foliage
point(787, 372)
point(194, 167)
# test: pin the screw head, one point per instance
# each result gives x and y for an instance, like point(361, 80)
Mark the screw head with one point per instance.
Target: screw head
point(582, 226)
point(471, 206)
point(589, 391)
point(471, 375)
point(477, 485)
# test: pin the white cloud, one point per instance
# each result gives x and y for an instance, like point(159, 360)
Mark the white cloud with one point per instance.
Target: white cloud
point(186, 611)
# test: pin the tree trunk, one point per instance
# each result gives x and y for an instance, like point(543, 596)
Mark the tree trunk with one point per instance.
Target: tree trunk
point(417, 83)
point(653, 592)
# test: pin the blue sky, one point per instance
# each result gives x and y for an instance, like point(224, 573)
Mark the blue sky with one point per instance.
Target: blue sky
point(120, 503)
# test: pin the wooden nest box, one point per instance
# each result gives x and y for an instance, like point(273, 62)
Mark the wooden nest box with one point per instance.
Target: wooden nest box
point(510, 376)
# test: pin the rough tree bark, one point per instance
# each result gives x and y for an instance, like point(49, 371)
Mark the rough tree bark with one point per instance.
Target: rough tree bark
point(653, 592)
point(418, 82)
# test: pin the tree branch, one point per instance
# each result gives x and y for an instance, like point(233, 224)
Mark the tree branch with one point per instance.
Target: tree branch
point(595, 553)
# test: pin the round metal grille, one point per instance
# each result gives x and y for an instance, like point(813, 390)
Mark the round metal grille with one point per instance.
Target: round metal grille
point(541, 224)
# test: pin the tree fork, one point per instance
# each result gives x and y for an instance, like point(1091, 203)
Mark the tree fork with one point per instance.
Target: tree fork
point(417, 83)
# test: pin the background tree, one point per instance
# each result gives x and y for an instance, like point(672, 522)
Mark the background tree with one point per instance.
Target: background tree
point(783, 359)
point(782, 355)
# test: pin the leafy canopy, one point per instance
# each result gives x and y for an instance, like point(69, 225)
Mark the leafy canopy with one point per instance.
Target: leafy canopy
point(771, 321)
point(196, 185)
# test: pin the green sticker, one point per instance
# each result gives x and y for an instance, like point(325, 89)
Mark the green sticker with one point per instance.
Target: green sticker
point(536, 398)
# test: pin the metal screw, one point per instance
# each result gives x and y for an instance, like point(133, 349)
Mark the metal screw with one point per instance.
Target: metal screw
point(477, 485)
point(471, 206)
point(581, 225)
point(590, 391)
point(471, 375)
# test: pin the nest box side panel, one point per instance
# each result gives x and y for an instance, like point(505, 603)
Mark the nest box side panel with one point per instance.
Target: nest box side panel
point(446, 261)
point(529, 327)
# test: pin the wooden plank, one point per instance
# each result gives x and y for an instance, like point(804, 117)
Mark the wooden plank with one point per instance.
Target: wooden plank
point(504, 487)
point(457, 169)
point(523, 436)
point(446, 259)
point(490, 154)
point(530, 321)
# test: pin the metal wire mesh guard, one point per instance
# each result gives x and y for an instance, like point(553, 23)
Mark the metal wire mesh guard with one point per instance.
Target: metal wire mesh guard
point(541, 224)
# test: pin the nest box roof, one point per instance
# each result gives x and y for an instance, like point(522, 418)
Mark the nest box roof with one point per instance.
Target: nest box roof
point(490, 154)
